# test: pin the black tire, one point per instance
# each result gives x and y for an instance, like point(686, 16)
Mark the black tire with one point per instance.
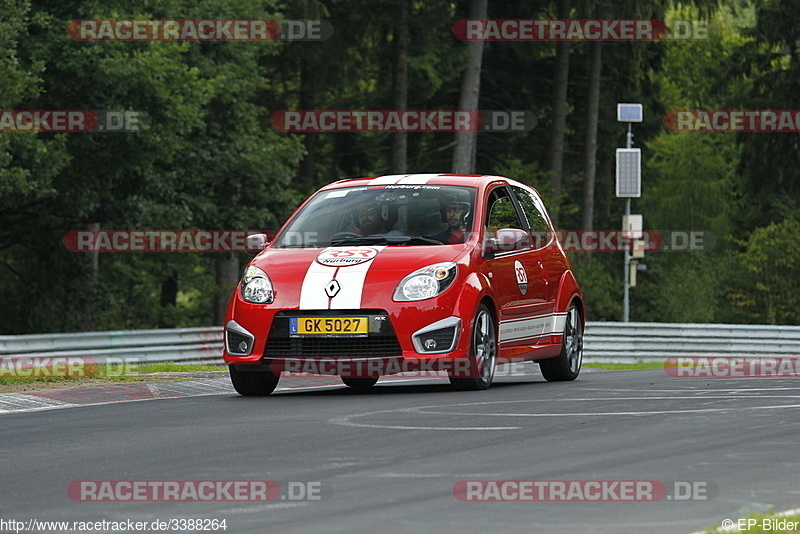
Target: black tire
point(567, 365)
point(482, 353)
point(253, 384)
point(359, 382)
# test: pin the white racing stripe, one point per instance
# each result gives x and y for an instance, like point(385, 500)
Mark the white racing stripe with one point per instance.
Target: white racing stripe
point(312, 293)
point(532, 328)
point(404, 179)
point(417, 179)
point(386, 180)
point(351, 278)
point(351, 281)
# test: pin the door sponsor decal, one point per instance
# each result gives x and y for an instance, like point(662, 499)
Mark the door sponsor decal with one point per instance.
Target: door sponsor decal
point(522, 277)
point(533, 328)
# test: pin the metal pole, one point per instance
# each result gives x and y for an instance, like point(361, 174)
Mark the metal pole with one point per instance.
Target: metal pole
point(626, 299)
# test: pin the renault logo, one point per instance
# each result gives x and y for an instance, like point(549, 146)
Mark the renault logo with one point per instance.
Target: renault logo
point(332, 288)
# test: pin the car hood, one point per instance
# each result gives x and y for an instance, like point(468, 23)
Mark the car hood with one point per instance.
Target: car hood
point(345, 277)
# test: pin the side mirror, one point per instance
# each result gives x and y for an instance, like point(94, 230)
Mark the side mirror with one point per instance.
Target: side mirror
point(257, 242)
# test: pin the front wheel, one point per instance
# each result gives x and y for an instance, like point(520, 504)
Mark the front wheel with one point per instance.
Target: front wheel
point(252, 383)
point(567, 365)
point(483, 353)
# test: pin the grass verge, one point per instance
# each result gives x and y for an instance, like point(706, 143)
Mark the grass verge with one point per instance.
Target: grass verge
point(83, 373)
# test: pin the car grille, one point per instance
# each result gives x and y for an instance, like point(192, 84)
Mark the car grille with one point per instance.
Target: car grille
point(381, 340)
point(337, 347)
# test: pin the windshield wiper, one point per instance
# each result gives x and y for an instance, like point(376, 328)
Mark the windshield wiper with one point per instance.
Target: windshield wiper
point(360, 240)
point(383, 239)
point(422, 240)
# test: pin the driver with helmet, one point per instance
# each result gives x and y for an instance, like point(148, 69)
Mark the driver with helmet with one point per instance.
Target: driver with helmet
point(367, 218)
point(454, 212)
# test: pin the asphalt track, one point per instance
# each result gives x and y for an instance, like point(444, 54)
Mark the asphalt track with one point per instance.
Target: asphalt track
point(388, 460)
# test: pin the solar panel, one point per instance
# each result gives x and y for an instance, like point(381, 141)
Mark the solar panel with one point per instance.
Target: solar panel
point(629, 112)
point(629, 172)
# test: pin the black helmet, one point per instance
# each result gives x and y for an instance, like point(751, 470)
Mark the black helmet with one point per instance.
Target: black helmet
point(450, 198)
point(386, 213)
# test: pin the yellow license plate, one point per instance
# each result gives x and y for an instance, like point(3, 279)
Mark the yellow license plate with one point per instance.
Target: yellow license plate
point(328, 325)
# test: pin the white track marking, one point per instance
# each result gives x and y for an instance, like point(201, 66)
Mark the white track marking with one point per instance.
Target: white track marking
point(442, 410)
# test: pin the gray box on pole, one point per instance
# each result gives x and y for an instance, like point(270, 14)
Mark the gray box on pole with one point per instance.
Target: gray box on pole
point(629, 172)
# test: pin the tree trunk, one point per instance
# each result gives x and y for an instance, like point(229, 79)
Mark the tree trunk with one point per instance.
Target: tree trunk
point(400, 86)
point(607, 184)
point(92, 275)
point(590, 150)
point(467, 142)
point(558, 127)
point(168, 301)
point(227, 278)
point(306, 172)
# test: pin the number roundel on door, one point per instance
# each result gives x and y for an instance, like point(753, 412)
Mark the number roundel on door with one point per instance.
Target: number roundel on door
point(522, 277)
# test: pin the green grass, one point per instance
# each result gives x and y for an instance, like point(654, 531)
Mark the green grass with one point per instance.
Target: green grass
point(170, 367)
point(5, 380)
point(114, 372)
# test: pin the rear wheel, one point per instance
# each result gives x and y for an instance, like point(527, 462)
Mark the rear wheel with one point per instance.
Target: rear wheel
point(567, 365)
point(252, 383)
point(359, 382)
point(483, 353)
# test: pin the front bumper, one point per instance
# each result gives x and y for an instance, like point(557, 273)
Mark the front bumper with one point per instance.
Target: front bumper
point(431, 346)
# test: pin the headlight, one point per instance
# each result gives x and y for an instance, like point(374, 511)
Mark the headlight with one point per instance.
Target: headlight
point(426, 283)
point(256, 286)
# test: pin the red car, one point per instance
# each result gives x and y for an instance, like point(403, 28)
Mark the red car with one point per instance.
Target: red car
point(407, 273)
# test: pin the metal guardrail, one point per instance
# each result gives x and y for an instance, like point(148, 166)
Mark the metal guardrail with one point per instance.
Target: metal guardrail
point(184, 345)
point(607, 340)
point(604, 341)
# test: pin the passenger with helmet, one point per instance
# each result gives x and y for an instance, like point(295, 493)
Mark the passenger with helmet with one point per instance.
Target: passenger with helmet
point(454, 211)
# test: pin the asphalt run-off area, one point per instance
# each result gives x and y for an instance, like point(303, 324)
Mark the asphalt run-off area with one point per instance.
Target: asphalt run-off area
point(413, 455)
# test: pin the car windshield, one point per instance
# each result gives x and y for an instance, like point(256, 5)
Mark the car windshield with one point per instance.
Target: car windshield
point(394, 215)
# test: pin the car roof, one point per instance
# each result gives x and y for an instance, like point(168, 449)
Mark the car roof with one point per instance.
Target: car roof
point(473, 180)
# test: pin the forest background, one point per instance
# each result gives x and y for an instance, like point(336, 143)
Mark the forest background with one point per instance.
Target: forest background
point(210, 159)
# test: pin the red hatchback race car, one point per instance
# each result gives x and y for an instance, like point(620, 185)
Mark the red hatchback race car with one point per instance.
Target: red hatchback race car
point(404, 274)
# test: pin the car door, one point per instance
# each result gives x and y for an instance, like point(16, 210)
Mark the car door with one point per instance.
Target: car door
point(549, 262)
point(514, 270)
